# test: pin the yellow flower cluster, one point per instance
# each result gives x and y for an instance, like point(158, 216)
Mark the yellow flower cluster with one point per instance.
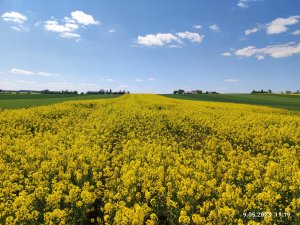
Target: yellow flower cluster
point(148, 159)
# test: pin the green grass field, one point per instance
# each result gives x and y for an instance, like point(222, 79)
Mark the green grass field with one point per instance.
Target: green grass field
point(29, 100)
point(290, 102)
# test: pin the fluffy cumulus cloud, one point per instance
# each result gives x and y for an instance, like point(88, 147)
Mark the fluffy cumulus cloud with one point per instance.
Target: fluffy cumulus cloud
point(193, 37)
point(168, 39)
point(157, 39)
point(275, 51)
point(83, 18)
point(17, 19)
point(54, 26)
point(14, 17)
point(280, 25)
point(69, 26)
point(277, 26)
point(214, 28)
point(28, 72)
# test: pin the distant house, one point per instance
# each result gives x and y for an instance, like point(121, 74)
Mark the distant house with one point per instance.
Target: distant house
point(191, 92)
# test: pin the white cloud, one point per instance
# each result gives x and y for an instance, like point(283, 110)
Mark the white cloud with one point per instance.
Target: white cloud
point(231, 80)
point(247, 51)
point(28, 72)
point(83, 18)
point(297, 32)
point(260, 57)
point(45, 74)
point(157, 39)
point(197, 26)
point(138, 80)
point(214, 28)
point(21, 72)
point(14, 17)
point(151, 79)
point(69, 20)
point(193, 37)
point(175, 46)
point(70, 25)
point(54, 26)
point(279, 25)
point(226, 54)
point(275, 51)
point(20, 28)
point(242, 4)
point(251, 30)
point(245, 3)
point(171, 40)
point(65, 31)
point(69, 35)
point(112, 30)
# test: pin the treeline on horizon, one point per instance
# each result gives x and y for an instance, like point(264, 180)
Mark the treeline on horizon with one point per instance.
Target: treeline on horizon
point(194, 92)
point(197, 92)
point(269, 91)
point(46, 91)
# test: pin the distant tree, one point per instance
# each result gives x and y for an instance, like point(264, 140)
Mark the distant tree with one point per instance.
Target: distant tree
point(46, 91)
point(181, 91)
point(288, 92)
point(270, 91)
point(198, 92)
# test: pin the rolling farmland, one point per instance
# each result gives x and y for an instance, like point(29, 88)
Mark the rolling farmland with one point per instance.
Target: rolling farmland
point(149, 159)
point(29, 100)
point(290, 102)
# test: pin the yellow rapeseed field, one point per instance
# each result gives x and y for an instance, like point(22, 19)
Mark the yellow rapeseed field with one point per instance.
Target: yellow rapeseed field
point(148, 159)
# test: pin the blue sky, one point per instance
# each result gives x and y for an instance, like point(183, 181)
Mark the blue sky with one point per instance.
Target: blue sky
point(150, 46)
